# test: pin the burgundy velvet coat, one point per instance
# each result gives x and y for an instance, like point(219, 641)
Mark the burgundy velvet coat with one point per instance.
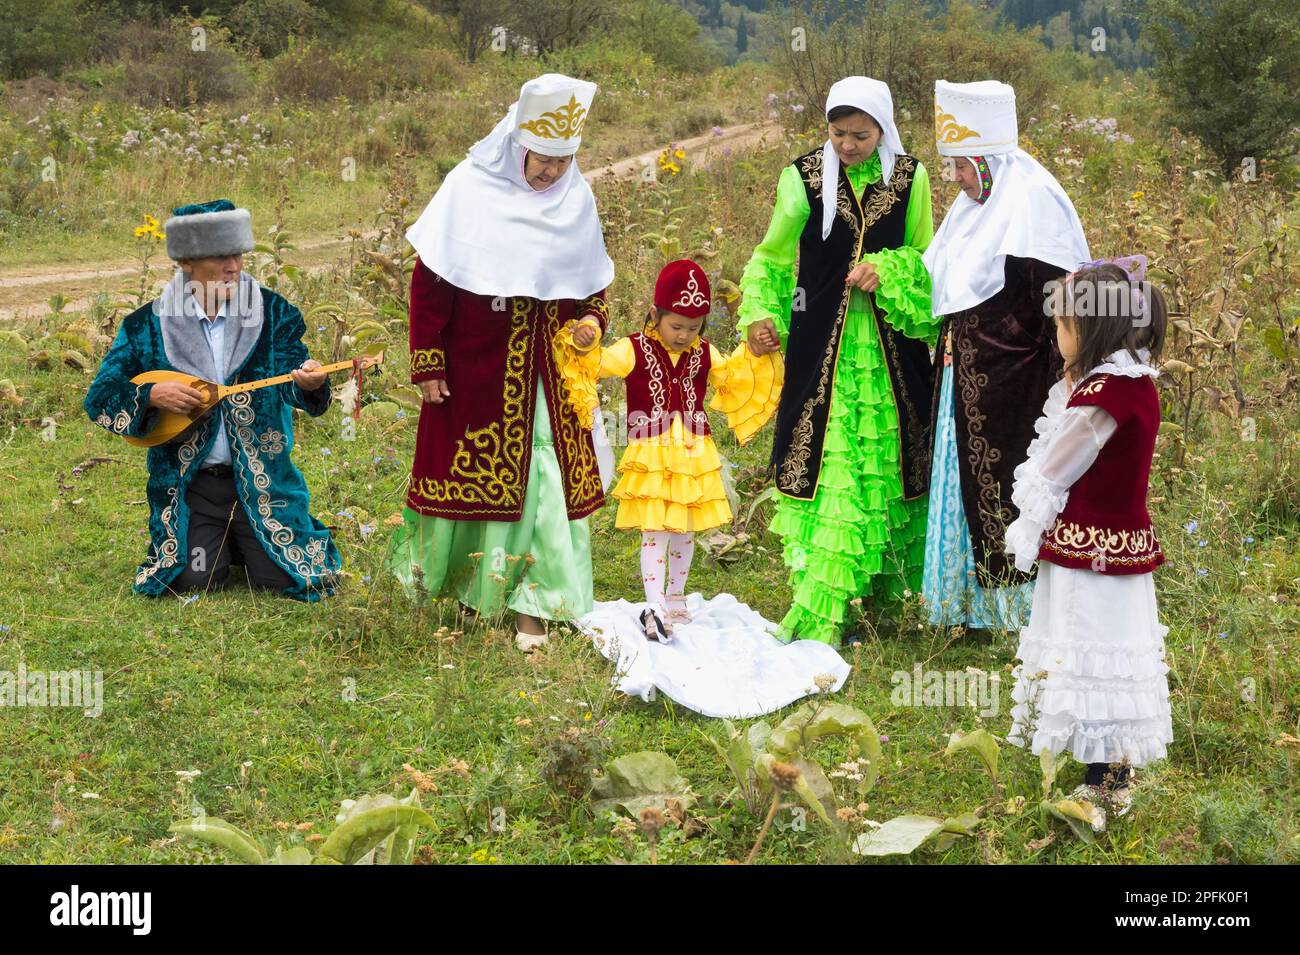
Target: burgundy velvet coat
point(1004, 361)
point(472, 452)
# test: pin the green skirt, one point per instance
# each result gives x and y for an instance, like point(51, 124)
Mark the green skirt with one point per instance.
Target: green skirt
point(539, 565)
point(857, 537)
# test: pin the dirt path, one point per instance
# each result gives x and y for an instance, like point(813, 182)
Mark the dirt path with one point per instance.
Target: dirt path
point(24, 291)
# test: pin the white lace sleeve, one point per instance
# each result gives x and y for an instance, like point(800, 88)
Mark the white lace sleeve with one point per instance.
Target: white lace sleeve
point(1063, 451)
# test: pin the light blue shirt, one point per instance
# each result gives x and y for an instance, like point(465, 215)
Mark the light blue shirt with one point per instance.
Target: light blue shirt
point(214, 331)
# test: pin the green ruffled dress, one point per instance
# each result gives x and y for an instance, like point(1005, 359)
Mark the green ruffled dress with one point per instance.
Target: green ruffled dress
point(857, 537)
point(539, 565)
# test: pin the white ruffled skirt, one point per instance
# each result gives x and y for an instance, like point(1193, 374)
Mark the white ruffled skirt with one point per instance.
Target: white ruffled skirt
point(1092, 680)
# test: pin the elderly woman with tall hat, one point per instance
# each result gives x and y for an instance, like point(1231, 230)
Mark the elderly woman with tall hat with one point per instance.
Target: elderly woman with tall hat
point(851, 449)
point(505, 475)
point(1010, 233)
point(224, 490)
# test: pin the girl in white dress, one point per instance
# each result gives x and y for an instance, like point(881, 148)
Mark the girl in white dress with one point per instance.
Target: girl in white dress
point(1093, 676)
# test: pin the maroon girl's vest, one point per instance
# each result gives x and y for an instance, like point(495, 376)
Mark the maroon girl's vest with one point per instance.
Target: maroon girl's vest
point(1105, 525)
point(657, 390)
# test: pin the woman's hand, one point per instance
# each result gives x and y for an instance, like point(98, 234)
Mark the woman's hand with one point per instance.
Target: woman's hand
point(584, 336)
point(435, 392)
point(307, 377)
point(864, 276)
point(762, 337)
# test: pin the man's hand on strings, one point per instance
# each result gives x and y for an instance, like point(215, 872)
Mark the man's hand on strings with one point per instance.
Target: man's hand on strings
point(307, 377)
point(864, 276)
point(435, 392)
point(175, 397)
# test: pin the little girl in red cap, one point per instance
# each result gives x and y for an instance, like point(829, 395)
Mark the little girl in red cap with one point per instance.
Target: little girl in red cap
point(670, 483)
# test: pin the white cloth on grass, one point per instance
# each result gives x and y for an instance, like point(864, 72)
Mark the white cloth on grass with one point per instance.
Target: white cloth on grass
point(727, 662)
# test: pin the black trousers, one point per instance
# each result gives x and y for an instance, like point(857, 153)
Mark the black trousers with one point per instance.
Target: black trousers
point(220, 535)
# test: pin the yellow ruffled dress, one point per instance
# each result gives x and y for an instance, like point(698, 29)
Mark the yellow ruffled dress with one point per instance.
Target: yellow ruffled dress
point(673, 482)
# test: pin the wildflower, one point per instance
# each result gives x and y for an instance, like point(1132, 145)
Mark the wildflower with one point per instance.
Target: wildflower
point(1190, 527)
point(586, 717)
point(1202, 572)
point(651, 821)
point(824, 682)
point(784, 776)
point(422, 782)
point(326, 452)
point(149, 230)
point(884, 737)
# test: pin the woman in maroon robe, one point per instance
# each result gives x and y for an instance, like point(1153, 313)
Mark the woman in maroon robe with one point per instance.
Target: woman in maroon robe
point(510, 251)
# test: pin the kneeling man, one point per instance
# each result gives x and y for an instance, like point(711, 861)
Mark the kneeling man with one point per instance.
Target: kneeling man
point(223, 491)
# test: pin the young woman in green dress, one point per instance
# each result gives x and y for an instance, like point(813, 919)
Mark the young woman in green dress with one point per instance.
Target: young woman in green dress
point(851, 454)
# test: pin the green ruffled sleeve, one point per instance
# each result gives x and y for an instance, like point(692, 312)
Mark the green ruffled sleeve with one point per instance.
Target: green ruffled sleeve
point(767, 284)
point(904, 294)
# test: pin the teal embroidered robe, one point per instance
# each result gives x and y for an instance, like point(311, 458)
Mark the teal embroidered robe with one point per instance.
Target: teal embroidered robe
point(259, 427)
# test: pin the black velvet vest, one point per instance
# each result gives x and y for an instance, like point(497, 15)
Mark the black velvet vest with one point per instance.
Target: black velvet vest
point(871, 223)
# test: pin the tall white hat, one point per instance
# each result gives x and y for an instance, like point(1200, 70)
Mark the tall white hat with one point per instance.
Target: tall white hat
point(552, 112)
point(974, 119)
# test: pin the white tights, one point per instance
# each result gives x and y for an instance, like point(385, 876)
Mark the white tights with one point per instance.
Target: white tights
point(665, 562)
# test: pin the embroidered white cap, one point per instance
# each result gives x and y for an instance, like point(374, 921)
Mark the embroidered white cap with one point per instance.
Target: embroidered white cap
point(974, 119)
point(552, 113)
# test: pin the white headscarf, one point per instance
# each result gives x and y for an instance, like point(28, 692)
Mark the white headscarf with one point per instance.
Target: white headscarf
point(874, 99)
point(1027, 214)
point(487, 231)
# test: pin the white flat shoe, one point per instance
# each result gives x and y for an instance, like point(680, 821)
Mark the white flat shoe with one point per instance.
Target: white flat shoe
point(528, 642)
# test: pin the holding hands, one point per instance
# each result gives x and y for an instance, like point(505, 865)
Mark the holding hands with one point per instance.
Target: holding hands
point(762, 337)
point(864, 277)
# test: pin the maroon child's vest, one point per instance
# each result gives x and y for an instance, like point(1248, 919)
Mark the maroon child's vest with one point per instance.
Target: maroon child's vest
point(1105, 525)
point(657, 389)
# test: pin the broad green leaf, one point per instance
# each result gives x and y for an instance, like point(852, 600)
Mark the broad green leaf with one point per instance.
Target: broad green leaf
point(639, 780)
point(1050, 765)
point(298, 855)
point(814, 720)
point(758, 734)
point(814, 788)
point(401, 844)
point(962, 825)
point(982, 744)
point(899, 836)
point(735, 752)
point(1275, 342)
point(364, 830)
point(221, 833)
point(1078, 816)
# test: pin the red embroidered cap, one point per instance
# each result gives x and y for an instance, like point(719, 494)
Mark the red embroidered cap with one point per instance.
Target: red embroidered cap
point(682, 287)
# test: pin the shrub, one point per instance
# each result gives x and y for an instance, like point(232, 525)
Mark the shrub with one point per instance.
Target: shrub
point(267, 26)
point(309, 71)
point(188, 67)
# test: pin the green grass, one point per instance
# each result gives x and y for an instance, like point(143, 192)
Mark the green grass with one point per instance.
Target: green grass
point(251, 690)
point(254, 691)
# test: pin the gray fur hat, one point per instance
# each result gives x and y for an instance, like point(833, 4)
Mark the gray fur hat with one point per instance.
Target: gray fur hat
point(208, 229)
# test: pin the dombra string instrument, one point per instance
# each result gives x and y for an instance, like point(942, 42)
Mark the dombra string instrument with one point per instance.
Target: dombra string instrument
point(172, 423)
